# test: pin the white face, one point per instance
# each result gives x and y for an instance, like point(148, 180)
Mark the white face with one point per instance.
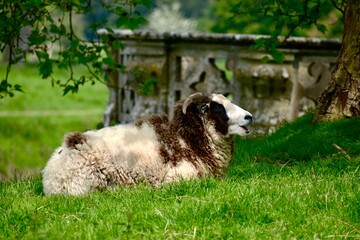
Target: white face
point(238, 117)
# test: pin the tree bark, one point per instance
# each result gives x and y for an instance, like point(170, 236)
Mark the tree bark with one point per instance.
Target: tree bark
point(341, 98)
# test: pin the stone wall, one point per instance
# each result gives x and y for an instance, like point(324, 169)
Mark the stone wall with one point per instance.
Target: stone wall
point(162, 68)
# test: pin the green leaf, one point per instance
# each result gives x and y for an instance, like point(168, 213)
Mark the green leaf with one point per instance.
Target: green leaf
point(110, 30)
point(82, 59)
point(277, 56)
point(70, 88)
point(82, 47)
point(17, 59)
point(75, 43)
point(104, 38)
point(54, 28)
point(41, 55)
point(117, 44)
point(321, 27)
point(97, 65)
point(109, 61)
point(121, 22)
point(148, 87)
point(265, 59)
point(7, 89)
point(18, 88)
point(45, 68)
point(121, 67)
point(136, 22)
point(259, 43)
point(35, 38)
point(63, 65)
point(146, 3)
point(4, 85)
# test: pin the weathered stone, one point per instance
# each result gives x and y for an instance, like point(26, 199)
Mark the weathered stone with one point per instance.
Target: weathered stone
point(183, 63)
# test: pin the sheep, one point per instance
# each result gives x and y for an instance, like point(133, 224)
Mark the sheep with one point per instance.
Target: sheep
point(195, 141)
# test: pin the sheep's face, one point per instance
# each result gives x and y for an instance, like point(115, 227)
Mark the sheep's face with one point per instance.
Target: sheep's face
point(235, 117)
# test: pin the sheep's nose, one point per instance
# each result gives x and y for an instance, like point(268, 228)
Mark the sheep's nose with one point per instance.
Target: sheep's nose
point(249, 118)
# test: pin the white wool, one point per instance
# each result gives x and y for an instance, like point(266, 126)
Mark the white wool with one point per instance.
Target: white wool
point(123, 150)
point(129, 154)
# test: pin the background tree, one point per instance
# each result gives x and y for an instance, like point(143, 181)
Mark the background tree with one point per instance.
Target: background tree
point(269, 17)
point(42, 24)
point(52, 23)
point(342, 96)
point(287, 18)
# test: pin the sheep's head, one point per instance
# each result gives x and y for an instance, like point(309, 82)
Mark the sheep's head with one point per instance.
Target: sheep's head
point(229, 118)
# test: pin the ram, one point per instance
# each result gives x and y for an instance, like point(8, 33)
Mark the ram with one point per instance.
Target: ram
point(195, 141)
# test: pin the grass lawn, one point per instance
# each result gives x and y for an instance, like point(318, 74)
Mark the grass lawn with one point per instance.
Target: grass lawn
point(293, 184)
point(40, 95)
point(33, 123)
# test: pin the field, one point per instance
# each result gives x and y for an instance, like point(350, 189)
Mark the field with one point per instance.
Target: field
point(302, 182)
point(33, 123)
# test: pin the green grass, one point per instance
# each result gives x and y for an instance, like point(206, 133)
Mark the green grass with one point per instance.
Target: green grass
point(293, 184)
point(40, 95)
point(277, 207)
point(268, 193)
point(27, 142)
point(33, 123)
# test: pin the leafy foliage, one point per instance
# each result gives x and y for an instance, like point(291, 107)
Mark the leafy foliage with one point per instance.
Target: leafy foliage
point(9, 88)
point(38, 26)
point(278, 18)
point(274, 17)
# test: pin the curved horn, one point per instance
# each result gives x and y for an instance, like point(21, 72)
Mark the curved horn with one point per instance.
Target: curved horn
point(191, 98)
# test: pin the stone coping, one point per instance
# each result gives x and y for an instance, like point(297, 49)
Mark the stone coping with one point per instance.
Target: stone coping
point(222, 38)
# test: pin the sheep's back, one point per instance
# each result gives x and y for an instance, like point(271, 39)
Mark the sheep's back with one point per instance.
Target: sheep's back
point(134, 152)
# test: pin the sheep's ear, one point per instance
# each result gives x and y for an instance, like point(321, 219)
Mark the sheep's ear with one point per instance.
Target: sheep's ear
point(196, 97)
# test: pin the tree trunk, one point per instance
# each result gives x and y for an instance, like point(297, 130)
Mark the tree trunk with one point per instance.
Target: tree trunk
point(341, 98)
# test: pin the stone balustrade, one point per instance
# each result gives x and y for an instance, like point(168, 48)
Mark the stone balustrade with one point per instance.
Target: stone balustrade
point(162, 68)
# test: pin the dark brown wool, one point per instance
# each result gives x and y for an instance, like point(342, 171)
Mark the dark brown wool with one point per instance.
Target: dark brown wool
point(192, 130)
point(73, 139)
point(139, 123)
